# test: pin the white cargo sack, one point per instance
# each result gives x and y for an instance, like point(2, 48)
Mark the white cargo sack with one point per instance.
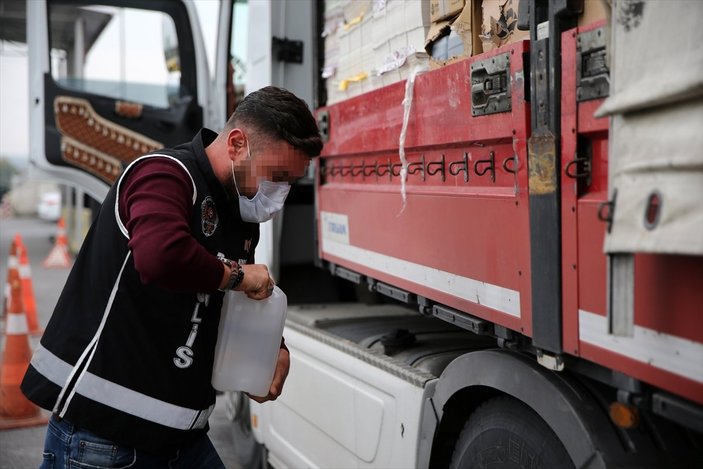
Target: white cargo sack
point(656, 128)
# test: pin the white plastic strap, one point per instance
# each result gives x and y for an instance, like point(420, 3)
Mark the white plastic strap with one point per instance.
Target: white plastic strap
point(407, 105)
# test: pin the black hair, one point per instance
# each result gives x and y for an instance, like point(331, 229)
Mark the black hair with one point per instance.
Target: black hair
point(278, 113)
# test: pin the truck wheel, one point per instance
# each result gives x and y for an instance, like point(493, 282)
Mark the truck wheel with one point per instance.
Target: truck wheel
point(247, 451)
point(504, 433)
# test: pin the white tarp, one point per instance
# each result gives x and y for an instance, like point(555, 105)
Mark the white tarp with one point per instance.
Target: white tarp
point(656, 129)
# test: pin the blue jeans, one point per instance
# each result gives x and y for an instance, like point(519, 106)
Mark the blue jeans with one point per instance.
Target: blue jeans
point(67, 446)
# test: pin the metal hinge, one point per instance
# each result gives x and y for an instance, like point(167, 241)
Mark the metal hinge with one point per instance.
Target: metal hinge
point(347, 274)
point(323, 124)
point(461, 319)
point(592, 72)
point(395, 293)
point(287, 50)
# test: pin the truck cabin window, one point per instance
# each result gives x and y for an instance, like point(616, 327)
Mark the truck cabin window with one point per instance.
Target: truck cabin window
point(121, 53)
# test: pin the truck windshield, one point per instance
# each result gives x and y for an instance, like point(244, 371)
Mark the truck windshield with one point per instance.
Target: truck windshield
point(121, 53)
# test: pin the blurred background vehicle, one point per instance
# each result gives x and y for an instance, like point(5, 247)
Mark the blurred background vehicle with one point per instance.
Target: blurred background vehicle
point(49, 206)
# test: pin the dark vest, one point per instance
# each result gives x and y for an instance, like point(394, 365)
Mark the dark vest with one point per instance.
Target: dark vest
point(132, 362)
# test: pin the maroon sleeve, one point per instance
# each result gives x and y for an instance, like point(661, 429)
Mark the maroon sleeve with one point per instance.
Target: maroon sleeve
point(155, 205)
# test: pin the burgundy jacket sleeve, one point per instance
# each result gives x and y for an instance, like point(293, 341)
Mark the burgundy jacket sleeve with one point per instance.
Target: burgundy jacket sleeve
point(155, 205)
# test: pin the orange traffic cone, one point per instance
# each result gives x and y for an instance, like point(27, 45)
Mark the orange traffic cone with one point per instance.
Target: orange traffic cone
point(58, 257)
point(30, 305)
point(16, 411)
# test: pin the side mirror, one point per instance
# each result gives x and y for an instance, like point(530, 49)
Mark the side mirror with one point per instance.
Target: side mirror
point(170, 45)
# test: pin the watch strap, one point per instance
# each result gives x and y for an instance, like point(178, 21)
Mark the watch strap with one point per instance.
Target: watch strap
point(236, 274)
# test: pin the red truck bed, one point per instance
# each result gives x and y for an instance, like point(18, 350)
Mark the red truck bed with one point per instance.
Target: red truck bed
point(462, 236)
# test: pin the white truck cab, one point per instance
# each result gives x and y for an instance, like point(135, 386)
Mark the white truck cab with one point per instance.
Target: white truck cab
point(111, 80)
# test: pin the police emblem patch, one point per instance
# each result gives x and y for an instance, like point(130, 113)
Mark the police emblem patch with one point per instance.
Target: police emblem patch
point(208, 215)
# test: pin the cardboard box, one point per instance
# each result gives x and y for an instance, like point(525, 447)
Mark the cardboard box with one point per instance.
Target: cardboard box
point(593, 10)
point(443, 9)
point(466, 26)
point(436, 32)
point(499, 25)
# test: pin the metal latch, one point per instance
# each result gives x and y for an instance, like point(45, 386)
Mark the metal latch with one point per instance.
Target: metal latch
point(579, 167)
point(287, 50)
point(323, 124)
point(592, 72)
point(490, 85)
point(606, 211)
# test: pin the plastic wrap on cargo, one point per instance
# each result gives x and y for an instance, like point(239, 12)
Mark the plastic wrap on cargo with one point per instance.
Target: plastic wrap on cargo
point(396, 60)
point(407, 106)
point(379, 6)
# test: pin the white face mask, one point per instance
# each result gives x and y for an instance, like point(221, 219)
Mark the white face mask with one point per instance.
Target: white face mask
point(268, 200)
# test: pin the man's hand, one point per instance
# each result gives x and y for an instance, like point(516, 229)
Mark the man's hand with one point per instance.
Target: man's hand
point(257, 283)
point(279, 377)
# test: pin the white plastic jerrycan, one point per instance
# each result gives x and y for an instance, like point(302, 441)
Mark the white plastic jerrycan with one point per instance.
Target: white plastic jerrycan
point(248, 341)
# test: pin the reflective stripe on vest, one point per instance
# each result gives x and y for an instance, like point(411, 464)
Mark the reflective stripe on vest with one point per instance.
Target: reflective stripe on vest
point(119, 397)
point(88, 353)
point(121, 225)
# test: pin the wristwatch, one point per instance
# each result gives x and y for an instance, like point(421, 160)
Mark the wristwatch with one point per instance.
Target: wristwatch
point(236, 274)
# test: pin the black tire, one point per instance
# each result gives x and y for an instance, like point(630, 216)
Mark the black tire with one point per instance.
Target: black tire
point(504, 433)
point(248, 453)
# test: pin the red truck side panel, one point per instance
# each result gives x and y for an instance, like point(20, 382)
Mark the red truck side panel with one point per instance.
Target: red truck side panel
point(462, 237)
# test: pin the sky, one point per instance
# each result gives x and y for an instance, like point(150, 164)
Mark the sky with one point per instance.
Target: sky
point(14, 92)
point(14, 100)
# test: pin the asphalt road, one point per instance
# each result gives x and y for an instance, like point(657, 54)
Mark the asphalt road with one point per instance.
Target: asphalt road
point(22, 448)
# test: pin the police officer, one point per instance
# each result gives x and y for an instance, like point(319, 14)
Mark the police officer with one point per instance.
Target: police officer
point(126, 359)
